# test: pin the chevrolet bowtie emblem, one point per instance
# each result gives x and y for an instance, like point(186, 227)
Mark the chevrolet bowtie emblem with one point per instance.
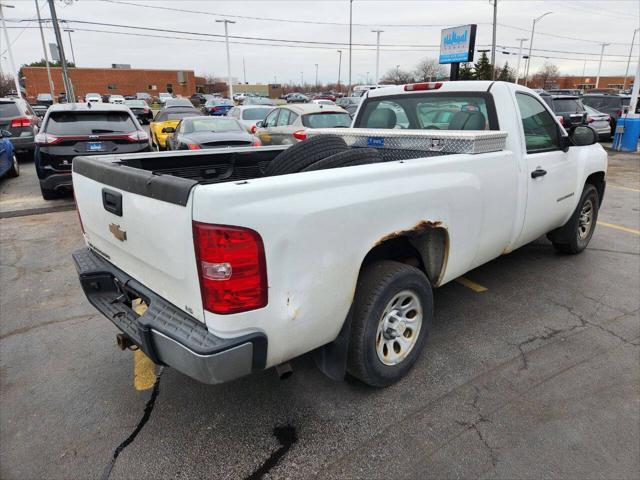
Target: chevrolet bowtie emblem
point(117, 232)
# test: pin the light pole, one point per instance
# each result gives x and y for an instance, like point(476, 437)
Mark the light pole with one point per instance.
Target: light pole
point(302, 79)
point(521, 40)
point(339, 67)
point(226, 38)
point(600, 64)
point(533, 29)
point(626, 72)
point(377, 32)
point(316, 76)
point(10, 50)
point(244, 71)
point(350, 41)
point(44, 49)
point(68, 86)
point(493, 41)
point(73, 54)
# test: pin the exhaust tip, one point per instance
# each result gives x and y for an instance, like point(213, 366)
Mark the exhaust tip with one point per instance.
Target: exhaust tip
point(284, 370)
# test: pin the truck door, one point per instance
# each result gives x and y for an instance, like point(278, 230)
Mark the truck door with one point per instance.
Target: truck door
point(551, 173)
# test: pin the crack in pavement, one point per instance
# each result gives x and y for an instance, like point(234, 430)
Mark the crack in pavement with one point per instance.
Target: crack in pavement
point(20, 331)
point(474, 425)
point(286, 436)
point(148, 408)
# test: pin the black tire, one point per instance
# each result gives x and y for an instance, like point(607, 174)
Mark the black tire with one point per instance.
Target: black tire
point(15, 168)
point(49, 194)
point(573, 237)
point(346, 158)
point(305, 153)
point(378, 285)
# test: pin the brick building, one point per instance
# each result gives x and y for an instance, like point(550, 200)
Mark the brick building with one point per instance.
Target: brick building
point(110, 81)
point(583, 83)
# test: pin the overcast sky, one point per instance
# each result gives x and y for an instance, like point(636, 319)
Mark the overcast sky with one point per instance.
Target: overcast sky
point(414, 25)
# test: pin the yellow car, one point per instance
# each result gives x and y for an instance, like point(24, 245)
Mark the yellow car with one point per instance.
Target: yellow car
point(166, 122)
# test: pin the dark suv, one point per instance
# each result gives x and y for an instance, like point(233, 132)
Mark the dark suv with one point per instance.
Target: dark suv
point(568, 108)
point(74, 129)
point(607, 103)
point(18, 118)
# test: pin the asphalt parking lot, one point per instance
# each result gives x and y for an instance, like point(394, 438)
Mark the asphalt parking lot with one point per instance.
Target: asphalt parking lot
point(532, 371)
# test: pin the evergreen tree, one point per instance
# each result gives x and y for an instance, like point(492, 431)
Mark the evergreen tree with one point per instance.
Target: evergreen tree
point(466, 72)
point(506, 74)
point(484, 69)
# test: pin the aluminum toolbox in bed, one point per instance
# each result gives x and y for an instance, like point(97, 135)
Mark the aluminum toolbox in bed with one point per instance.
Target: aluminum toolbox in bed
point(435, 141)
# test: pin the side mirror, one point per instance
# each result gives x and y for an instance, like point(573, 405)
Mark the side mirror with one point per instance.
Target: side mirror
point(168, 130)
point(583, 135)
point(259, 124)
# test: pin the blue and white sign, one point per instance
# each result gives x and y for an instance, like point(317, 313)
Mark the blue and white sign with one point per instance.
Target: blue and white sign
point(457, 44)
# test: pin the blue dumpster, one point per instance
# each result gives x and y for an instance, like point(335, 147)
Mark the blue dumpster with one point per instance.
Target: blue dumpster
point(627, 134)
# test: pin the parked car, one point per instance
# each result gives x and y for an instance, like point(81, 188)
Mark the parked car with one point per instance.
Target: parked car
point(570, 110)
point(116, 99)
point(141, 110)
point(166, 121)
point(40, 110)
point(44, 99)
point(18, 118)
point(259, 101)
point(197, 99)
point(163, 97)
point(93, 98)
point(249, 115)
point(574, 92)
point(600, 122)
point(177, 102)
point(217, 106)
point(254, 257)
point(322, 101)
point(287, 125)
point(606, 103)
point(8, 161)
point(297, 98)
point(74, 129)
point(325, 96)
point(347, 101)
point(195, 133)
point(62, 97)
point(144, 96)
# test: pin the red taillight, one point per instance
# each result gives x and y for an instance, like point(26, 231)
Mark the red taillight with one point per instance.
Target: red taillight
point(231, 267)
point(194, 146)
point(300, 134)
point(414, 87)
point(47, 139)
point(590, 120)
point(256, 142)
point(254, 129)
point(21, 122)
point(138, 136)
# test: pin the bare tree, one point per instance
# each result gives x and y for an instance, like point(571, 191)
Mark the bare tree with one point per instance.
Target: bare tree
point(429, 70)
point(397, 76)
point(7, 85)
point(546, 76)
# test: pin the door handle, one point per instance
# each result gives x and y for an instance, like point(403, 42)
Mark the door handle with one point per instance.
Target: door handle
point(538, 172)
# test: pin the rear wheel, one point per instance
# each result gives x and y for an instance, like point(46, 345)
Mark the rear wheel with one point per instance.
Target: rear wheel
point(576, 234)
point(15, 168)
point(48, 194)
point(393, 308)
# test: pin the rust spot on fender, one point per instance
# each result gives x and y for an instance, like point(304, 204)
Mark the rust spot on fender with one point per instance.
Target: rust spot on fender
point(419, 228)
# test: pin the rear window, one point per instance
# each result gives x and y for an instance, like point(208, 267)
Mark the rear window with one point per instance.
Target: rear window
point(326, 120)
point(602, 102)
point(9, 109)
point(626, 101)
point(167, 115)
point(567, 105)
point(208, 124)
point(89, 123)
point(255, 113)
point(437, 111)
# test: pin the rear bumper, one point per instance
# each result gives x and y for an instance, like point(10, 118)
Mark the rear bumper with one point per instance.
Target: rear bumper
point(165, 333)
point(57, 181)
point(23, 143)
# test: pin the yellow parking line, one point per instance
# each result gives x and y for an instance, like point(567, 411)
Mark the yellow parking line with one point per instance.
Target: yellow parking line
point(144, 371)
point(623, 188)
point(476, 287)
point(618, 227)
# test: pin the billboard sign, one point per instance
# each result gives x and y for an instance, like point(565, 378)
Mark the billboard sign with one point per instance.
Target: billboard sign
point(457, 44)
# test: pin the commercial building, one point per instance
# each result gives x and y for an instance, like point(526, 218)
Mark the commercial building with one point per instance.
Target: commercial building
point(271, 90)
point(582, 82)
point(106, 81)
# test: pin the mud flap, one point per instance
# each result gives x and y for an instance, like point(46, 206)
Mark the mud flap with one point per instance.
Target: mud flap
point(331, 359)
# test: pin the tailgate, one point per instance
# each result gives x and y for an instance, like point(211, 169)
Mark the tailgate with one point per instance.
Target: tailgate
point(141, 223)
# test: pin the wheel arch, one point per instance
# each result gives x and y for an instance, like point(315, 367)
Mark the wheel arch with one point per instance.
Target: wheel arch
point(597, 179)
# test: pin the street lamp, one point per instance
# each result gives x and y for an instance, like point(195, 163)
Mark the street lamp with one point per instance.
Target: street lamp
point(339, 67)
point(377, 32)
point(226, 39)
point(10, 50)
point(350, 42)
point(73, 54)
point(626, 72)
point(316, 76)
point(521, 40)
point(600, 63)
point(533, 29)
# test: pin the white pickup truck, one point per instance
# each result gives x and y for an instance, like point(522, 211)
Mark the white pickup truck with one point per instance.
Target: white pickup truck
point(246, 258)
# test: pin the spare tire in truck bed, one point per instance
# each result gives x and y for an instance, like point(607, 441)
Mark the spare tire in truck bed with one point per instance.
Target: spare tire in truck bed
point(346, 158)
point(305, 153)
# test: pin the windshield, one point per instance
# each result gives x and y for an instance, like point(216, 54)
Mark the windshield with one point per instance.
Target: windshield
point(135, 103)
point(255, 113)
point(326, 120)
point(438, 111)
point(89, 123)
point(567, 105)
point(167, 115)
point(206, 124)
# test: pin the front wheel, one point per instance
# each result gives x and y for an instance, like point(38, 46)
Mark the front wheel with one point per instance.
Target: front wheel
point(15, 167)
point(575, 235)
point(393, 308)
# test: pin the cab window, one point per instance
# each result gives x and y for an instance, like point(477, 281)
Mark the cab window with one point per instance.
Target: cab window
point(283, 119)
point(271, 119)
point(541, 131)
